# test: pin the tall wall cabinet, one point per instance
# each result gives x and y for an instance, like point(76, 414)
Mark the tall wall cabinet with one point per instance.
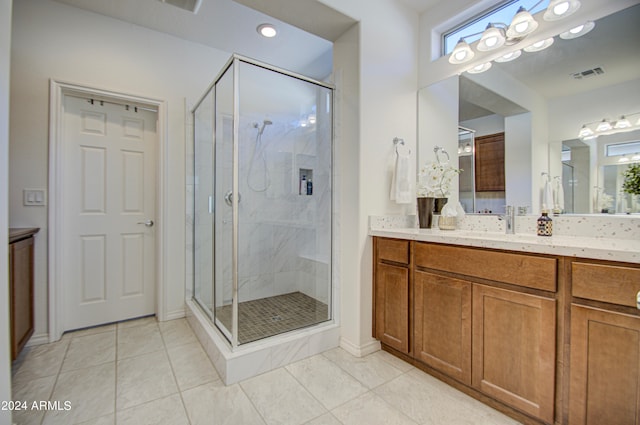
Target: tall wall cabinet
point(21, 259)
point(503, 327)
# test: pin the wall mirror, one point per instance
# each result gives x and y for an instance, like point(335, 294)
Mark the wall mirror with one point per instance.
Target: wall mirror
point(571, 83)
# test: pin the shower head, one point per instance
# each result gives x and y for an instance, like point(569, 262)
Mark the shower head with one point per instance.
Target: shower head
point(264, 124)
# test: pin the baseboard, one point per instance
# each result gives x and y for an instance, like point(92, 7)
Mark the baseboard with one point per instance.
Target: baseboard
point(38, 340)
point(176, 314)
point(359, 350)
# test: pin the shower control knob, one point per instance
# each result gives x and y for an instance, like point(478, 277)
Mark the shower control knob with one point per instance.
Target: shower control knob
point(228, 198)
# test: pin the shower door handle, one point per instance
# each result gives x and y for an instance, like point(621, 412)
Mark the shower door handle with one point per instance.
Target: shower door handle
point(228, 198)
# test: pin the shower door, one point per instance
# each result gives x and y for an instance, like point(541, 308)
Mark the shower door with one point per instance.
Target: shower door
point(203, 119)
point(225, 308)
point(263, 145)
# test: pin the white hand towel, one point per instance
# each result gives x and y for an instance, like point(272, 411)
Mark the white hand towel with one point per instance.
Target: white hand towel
point(559, 201)
point(401, 181)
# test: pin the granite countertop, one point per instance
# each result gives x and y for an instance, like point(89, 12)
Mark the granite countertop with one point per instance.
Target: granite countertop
point(600, 248)
point(18, 233)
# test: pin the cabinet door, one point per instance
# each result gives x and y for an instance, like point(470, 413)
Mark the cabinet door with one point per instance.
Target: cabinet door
point(392, 306)
point(605, 367)
point(490, 163)
point(442, 317)
point(21, 284)
point(514, 347)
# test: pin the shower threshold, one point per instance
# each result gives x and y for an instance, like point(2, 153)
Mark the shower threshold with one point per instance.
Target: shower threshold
point(265, 354)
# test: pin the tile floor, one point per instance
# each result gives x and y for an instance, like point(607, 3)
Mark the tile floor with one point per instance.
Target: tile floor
point(146, 372)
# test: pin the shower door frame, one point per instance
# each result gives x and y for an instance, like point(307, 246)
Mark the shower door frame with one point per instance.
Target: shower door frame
point(234, 61)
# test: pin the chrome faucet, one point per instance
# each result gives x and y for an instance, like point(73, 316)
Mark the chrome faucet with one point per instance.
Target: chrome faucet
point(510, 219)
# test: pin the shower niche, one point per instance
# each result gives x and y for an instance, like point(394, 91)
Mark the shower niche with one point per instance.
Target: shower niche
point(262, 253)
point(305, 180)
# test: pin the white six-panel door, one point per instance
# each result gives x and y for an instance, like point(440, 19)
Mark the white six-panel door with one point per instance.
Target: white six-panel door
point(109, 200)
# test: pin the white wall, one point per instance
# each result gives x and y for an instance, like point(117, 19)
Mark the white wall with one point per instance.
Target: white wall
point(386, 98)
point(5, 353)
point(517, 166)
point(438, 124)
point(52, 40)
point(567, 114)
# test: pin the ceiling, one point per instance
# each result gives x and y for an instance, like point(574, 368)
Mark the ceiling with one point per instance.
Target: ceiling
point(230, 26)
point(420, 5)
point(611, 45)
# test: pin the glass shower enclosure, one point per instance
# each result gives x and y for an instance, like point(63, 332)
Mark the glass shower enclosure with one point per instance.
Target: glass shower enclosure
point(263, 201)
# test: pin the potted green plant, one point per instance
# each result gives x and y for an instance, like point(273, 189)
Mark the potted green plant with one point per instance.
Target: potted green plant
point(631, 182)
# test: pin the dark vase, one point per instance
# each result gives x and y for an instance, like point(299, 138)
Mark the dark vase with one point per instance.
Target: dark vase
point(439, 203)
point(425, 212)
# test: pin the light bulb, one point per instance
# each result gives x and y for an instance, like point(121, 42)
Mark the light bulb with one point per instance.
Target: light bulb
point(622, 123)
point(522, 24)
point(585, 132)
point(560, 9)
point(603, 126)
point(461, 53)
point(577, 31)
point(479, 68)
point(267, 30)
point(492, 38)
point(540, 45)
point(509, 56)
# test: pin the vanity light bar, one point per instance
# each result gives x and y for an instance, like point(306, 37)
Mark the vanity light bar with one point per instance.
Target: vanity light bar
point(605, 127)
point(523, 23)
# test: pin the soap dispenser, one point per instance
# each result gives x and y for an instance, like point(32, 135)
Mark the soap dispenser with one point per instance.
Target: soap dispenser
point(545, 224)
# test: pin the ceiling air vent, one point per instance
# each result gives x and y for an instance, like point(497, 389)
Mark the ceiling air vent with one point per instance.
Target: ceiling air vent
point(190, 5)
point(588, 73)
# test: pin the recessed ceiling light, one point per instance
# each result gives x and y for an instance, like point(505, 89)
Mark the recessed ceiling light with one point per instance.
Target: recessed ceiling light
point(479, 68)
point(267, 30)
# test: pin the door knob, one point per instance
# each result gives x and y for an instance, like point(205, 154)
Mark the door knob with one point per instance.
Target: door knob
point(147, 223)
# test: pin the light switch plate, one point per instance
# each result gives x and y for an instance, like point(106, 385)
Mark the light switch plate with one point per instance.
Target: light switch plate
point(34, 197)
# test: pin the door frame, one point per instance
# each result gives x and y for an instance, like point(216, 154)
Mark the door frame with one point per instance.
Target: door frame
point(57, 90)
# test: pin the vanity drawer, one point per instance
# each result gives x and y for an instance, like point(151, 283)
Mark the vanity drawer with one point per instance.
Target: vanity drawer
point(395, 250)
point(517, 269)
point(607, 283)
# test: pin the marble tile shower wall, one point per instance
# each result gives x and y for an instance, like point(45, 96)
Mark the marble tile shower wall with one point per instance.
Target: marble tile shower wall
point(284, 234)
point(285, 237)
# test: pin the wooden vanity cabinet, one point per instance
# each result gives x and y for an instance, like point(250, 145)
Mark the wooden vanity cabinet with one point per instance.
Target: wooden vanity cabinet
point(470, 322)
point(605, 344)
point(391, 293)
point(514, 349)
point(21, 262)
point(442, 324)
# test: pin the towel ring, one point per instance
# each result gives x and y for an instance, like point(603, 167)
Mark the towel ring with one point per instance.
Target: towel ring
point(400, 142)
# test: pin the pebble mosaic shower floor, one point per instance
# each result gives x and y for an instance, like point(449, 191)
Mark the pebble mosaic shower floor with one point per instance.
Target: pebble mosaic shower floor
point(270, 316)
